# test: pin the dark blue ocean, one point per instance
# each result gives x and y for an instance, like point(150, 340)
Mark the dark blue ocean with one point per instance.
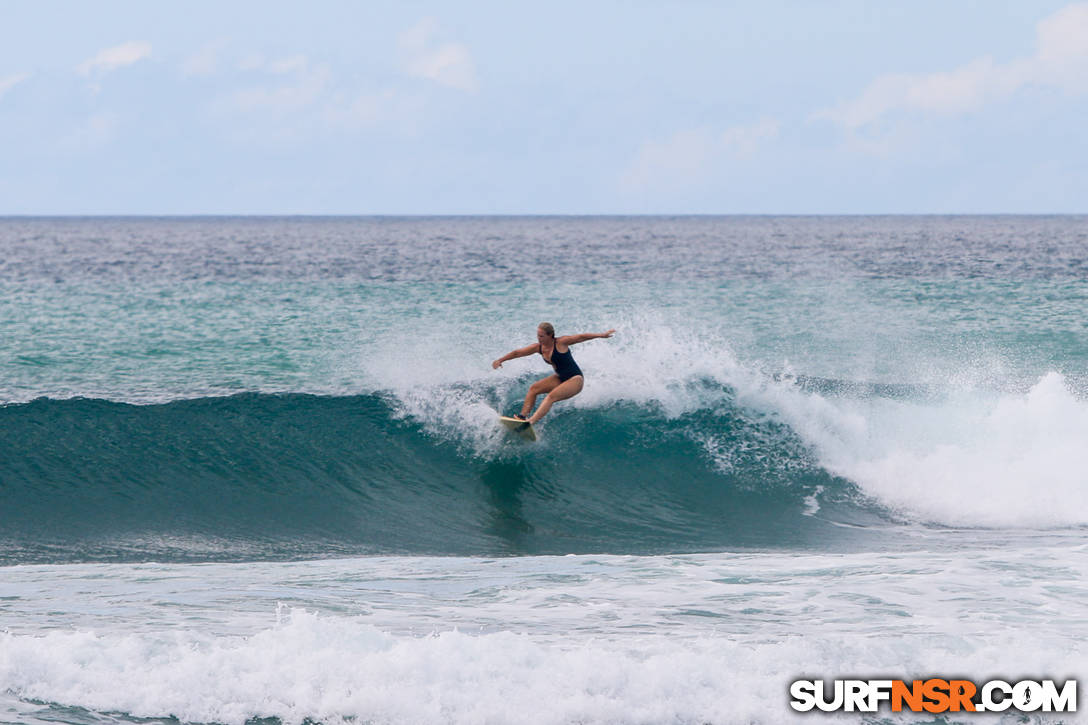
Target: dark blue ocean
point(250, 467)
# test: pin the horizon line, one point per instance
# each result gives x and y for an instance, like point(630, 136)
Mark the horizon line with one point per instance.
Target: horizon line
point(552, 215)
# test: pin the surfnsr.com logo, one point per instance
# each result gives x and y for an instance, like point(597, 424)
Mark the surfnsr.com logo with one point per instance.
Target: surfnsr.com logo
point(934, 695)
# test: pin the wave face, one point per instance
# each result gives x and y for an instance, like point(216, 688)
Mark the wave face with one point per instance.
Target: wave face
point(273, 476)
point(253, 388)
point(726, 461)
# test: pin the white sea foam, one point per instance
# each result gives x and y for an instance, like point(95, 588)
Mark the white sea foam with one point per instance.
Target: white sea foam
point(336, 670)
point(650, 360)
point(332, 670)
point(692, 639)
point(972, 457)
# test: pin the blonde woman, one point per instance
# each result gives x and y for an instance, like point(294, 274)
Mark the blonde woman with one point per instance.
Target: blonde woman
point(567, 380)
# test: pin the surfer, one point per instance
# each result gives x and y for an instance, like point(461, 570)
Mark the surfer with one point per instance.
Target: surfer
point(567, 380)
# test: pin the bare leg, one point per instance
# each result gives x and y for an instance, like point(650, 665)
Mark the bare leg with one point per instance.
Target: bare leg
point(540, 387)
point(564, 390)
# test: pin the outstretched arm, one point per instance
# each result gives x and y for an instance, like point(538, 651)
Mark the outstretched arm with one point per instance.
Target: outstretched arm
point(520, 352)
point(575, 339)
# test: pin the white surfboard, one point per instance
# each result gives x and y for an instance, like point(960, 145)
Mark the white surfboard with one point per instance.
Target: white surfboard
point(521, 427)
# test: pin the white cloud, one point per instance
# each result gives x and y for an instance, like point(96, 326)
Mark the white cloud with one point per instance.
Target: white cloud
point(116, 57)
point(295, 97)
point(9, 82)
point(282, 66)
point(363, 110)
point(287, 65)
point(257, 62)
point(742, 141)
point(1062, 55)
point(305, 88)
point(688, 156)
point(309, 96)
point(1060, 60)
point(205, 61)
point(448, 64)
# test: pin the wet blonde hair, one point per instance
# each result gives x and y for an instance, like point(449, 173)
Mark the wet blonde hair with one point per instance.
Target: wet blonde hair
point(547, 327)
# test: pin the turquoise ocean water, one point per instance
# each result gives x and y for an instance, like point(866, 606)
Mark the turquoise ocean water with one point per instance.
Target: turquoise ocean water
point(249, 467)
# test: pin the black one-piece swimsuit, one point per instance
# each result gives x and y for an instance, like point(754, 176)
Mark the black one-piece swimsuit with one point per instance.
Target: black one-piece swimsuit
point(564, 364)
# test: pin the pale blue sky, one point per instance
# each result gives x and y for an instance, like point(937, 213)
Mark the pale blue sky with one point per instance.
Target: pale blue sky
point(569, 108)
